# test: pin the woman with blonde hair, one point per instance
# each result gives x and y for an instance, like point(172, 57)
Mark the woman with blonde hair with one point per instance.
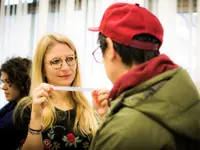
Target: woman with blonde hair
point(51, 119)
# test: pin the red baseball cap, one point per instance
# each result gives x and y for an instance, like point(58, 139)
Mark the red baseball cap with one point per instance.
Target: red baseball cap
point(122, 21)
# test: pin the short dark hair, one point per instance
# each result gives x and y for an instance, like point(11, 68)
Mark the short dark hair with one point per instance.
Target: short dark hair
point(130, 54)
point(18, 70)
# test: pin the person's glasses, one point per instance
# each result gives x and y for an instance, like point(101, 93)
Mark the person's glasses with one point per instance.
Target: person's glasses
point(57, 63)
point(97, 54)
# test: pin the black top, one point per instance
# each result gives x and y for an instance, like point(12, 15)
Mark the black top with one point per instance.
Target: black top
point(8, 136)
point(60, 136)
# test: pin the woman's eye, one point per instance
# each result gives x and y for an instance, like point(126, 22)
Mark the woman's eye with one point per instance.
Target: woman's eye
point(70, 59)
point(57, 61)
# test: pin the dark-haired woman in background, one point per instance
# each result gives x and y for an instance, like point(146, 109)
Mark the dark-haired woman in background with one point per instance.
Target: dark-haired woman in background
point(15, 81)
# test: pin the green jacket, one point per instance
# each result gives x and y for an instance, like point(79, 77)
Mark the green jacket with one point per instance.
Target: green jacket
point(159, 114)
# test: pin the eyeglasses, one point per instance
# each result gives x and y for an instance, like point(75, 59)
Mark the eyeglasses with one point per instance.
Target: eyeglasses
point(57, 63)
point(97, 54)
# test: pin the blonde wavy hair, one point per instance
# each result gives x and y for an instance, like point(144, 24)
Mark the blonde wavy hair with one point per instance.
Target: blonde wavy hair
point(85, 122)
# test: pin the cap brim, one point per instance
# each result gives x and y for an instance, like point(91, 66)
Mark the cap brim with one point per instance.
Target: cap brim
point(94, 29)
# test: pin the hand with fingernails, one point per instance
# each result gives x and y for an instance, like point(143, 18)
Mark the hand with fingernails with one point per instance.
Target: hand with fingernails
point(100, 101)
point(40, 96)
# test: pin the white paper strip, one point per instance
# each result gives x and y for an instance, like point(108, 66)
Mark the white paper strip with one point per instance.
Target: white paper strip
point(68, 88)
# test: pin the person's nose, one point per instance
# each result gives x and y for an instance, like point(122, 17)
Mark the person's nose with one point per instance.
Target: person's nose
point(3, 86)
point(65, 65)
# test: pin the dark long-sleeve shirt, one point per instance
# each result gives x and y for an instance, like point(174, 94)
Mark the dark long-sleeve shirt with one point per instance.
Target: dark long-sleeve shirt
point(8, 136)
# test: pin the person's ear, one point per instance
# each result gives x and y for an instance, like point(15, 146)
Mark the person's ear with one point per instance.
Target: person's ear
point(110, 52)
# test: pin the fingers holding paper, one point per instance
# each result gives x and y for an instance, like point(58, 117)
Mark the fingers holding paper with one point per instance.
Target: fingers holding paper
point(40, 95)
point(100, 101)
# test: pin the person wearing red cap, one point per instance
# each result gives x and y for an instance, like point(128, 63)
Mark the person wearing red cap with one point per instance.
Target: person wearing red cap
point(154, 104)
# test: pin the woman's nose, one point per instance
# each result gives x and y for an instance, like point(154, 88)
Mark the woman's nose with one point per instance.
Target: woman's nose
point(3, 86)
point(65, 65)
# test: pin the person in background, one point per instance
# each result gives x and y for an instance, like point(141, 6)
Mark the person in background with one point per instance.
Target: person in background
point(154, 104)
point(52, 119)
point(15, 82)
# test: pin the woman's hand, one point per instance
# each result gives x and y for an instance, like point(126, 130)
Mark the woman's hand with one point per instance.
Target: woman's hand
point(40, 95)
point(100, 101)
